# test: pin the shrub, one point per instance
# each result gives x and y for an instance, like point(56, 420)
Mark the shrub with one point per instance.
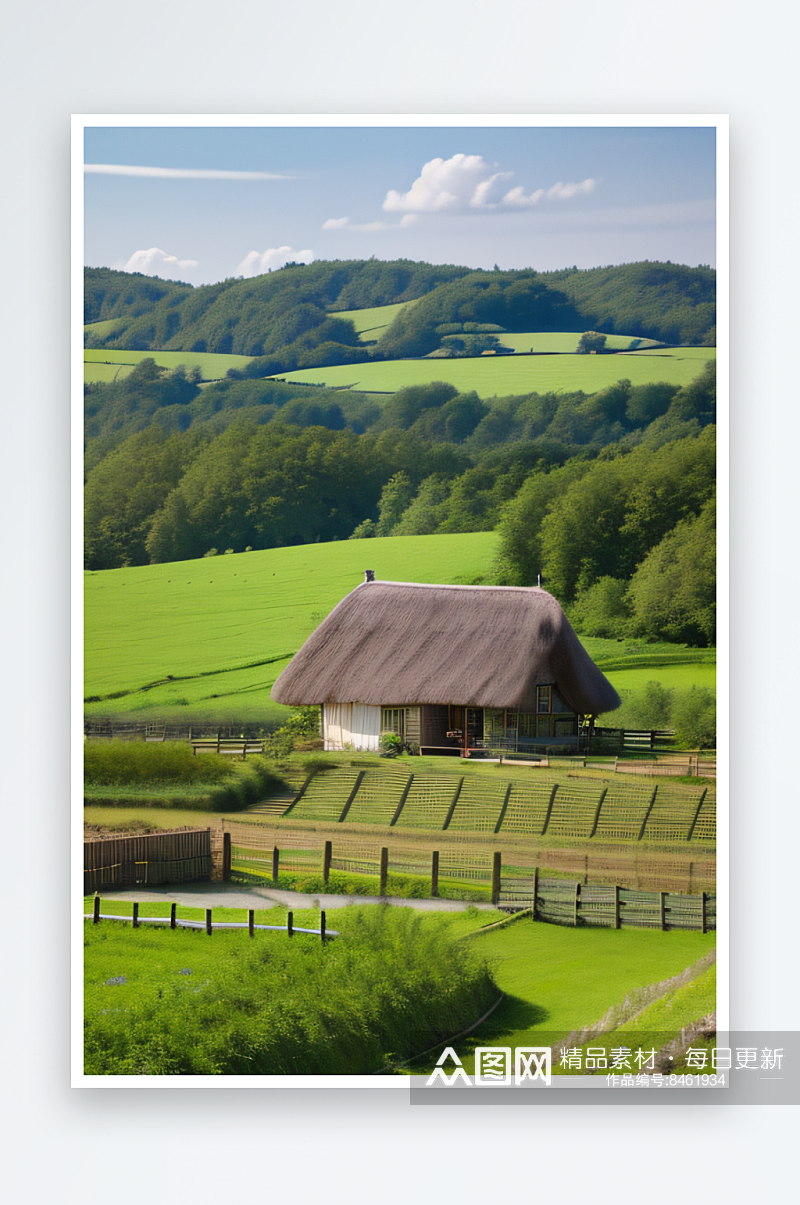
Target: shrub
point(394, 983)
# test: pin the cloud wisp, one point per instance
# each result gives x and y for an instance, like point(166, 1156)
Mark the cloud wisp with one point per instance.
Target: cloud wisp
point(345, 224)
point(155, 262)
point(462, 184)
point(176, 173)
point(256, 263)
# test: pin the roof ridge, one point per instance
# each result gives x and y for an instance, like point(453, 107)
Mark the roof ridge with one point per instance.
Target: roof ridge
point(455, 586)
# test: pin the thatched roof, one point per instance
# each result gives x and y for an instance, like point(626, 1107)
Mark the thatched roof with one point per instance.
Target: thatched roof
point(394, 643)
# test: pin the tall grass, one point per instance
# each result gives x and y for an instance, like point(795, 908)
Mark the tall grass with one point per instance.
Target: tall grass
point(160, 1002)
point(134, 773)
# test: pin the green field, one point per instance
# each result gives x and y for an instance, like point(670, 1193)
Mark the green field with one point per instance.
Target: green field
point(505, 375)
point(101, 328)
point(224, 627)
point(564, 342)
point(557, 980)
point(373, 322)
point(238, 619)
point(100, 365)
point(180, 1003)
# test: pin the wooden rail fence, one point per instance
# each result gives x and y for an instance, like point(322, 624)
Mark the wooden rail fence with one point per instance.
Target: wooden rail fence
point(208, 924)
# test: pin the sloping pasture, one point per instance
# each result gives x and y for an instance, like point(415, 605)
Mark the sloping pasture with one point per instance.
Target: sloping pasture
point(212, 366)
point(213, 634)
point(516, 374)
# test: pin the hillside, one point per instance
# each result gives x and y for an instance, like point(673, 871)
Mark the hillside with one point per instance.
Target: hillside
point(290, 316)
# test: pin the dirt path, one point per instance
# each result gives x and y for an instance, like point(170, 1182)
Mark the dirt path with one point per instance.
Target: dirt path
point(232, 895)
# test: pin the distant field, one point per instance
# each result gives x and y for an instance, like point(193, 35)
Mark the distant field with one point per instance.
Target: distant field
point(101, 328)
point(238, 619)
point(680, 677)
point(213, 367)
point(504, 375)
point(373, 322)
point(631, 664)
point(563, 341)
point(105, 372)
point(679, 353)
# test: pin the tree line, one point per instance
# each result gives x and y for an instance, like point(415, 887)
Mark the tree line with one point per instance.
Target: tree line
point(285, 319)
point(609, 496)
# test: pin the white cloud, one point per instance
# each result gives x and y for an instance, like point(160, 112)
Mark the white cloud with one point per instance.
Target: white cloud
point(446, 185)
point(467, 183)
point(563, 192)
point(517, 198)
point(156, 262)
point(255, 263)
point(408, 219)
point(176, 173)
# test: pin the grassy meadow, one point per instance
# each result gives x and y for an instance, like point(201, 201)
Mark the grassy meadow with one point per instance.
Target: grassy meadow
point(501, 376)
point(105, 365)
point(557, 980)
point(176, 1002)
point(208, 637)
point(393, 983)
point(371, 323)
point(215, 633)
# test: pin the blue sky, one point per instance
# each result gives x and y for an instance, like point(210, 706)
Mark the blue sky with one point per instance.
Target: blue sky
point(204, 203)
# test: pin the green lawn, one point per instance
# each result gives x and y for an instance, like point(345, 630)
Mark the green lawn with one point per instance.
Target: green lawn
point(238, 619)
point(505, 375)
point(557, 980)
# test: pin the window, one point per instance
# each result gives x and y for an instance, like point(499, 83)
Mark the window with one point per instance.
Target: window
point(543, 699)
point(393, 719)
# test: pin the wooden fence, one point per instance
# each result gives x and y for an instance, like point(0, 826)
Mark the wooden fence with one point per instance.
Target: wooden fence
point(181, 856)
point(564, 903)
point(264, 851)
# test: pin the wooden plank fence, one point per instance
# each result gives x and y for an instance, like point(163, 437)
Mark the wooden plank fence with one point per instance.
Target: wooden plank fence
point(561, 902)
point(182, 856)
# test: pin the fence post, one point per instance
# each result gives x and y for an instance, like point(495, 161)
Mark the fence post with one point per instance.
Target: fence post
point(251, 916)
point(326, 862)
point(497, 865)
point(435, 873)
point(662, 907)
point(136, 916)
point(290, 923)
point(704, 925)
point(226, 856)
point(173, 912)
point(275, 858)
point(384, 869)
point(96, 910)
point(617, 921)
point(577, 903)
point(208, 921)
point(322, 925)
point(549, 809)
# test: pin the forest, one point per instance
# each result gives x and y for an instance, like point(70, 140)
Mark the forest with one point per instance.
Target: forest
point(608, 497)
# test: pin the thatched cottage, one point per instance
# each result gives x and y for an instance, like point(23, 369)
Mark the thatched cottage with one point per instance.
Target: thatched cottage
point(448, 668)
